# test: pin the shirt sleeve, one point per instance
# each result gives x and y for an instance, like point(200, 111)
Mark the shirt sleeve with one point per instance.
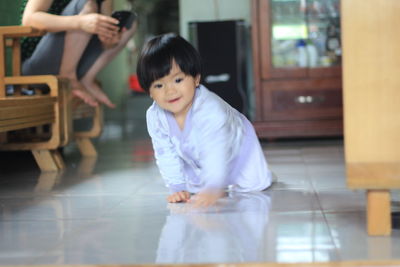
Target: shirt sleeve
point(167, 158)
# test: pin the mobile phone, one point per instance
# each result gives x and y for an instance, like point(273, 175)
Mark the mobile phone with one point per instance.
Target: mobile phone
point(125, 18)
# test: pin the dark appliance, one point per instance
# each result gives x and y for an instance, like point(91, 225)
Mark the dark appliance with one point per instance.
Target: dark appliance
point(223, 48)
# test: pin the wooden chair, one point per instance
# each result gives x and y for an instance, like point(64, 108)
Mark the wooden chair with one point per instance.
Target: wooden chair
point(55, 110)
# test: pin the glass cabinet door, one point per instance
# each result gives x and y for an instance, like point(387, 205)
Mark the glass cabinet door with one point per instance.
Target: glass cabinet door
point(304, 33)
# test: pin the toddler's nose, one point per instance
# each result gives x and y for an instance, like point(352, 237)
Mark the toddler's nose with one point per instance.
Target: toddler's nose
point(170, 90)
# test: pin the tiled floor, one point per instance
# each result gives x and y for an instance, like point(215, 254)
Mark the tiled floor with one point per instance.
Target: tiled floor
point(113, 210)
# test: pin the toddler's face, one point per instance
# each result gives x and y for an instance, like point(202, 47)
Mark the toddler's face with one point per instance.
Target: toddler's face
point(175, 91)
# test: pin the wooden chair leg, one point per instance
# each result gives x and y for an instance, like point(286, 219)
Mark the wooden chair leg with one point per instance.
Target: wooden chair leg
point(48, 160)
point(86, 147)
point(58, 159)
point(47, 181)
point(378, 212)
point(86, 166)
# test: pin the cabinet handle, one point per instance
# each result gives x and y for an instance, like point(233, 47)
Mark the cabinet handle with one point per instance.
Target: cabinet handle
point(307, 99)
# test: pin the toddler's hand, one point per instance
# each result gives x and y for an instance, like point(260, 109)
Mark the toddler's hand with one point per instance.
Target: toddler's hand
point(182, 196)
point(206, 198)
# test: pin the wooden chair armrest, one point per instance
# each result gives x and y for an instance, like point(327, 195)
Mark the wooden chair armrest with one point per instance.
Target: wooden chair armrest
point(51, 80)
point(20, 31)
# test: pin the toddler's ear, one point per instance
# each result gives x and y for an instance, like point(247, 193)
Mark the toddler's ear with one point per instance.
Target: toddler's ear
point(197, 80)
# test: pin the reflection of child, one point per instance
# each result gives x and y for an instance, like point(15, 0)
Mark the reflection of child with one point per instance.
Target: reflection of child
point(236, 233)
point(202, 145)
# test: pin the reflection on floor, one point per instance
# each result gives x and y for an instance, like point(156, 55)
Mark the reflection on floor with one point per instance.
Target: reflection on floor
point(112, 210)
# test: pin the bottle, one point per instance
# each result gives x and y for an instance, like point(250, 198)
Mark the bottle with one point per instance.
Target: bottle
point(302, 60)
point(312, 54)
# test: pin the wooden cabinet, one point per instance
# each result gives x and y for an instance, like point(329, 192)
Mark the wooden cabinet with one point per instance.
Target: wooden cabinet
point(297, 68)
point(371, 86)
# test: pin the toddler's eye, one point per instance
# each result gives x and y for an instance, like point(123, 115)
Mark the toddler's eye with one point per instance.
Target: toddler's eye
point(178, 80)
point(157, 85)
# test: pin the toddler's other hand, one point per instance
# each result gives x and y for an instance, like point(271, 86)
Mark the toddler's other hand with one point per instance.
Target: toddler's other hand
point(206, 198)
point(182, 196)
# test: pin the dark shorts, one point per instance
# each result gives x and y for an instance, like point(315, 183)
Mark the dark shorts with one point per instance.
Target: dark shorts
point(46, 59)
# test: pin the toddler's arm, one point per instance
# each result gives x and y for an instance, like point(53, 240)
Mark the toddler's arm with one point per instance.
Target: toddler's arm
point(167, 158)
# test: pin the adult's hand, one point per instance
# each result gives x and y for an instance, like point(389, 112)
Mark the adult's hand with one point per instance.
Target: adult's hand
point(113, 41)
point(104, 26)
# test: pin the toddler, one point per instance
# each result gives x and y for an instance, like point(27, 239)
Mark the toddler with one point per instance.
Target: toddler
point(202, 145)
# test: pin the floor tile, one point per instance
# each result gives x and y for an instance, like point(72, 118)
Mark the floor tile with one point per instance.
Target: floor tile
point(349, 232)
point(22, 241)
point(113, 210)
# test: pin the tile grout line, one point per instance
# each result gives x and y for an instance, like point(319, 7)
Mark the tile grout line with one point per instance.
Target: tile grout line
point(315, 191)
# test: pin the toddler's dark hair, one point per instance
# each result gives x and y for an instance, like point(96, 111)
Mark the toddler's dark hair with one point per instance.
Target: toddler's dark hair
point(155, 60)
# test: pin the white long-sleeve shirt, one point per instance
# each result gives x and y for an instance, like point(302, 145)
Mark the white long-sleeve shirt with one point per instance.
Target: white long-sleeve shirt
point(217, 147)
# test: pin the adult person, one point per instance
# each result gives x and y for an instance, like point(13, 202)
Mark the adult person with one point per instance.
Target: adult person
point(81, 39)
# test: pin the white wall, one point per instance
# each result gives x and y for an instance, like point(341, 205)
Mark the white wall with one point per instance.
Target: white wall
point(206, 10)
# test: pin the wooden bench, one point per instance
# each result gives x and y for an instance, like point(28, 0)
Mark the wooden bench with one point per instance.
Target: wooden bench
point(47, 119)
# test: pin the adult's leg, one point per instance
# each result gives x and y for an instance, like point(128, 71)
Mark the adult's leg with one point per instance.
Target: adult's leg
point(87, 71)
point(59, 53)
point(75, 44)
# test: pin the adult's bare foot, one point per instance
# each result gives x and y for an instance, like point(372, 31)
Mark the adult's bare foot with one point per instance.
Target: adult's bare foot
point(98, 94)
point(79, 91)
point(86, 97)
